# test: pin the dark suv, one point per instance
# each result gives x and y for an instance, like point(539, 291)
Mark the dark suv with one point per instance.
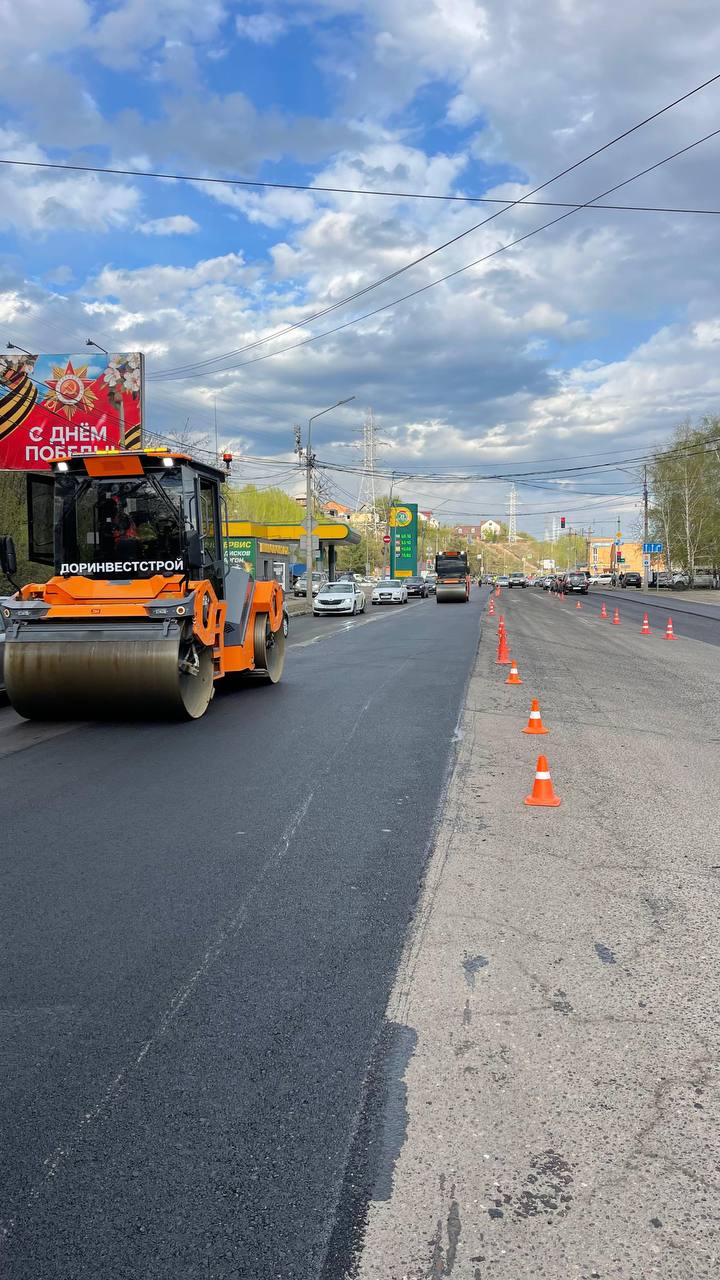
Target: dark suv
point(576, 582)
point(631, 579)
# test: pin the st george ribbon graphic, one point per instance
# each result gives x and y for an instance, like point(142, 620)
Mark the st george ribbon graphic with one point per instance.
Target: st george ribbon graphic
point(54, 406)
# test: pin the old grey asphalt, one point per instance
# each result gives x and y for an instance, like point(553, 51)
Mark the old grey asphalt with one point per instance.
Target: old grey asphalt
point(200, 926)
point(557, 1112)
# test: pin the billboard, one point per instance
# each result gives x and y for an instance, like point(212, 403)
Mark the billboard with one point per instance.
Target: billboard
point(404, 540)
point(55, 405)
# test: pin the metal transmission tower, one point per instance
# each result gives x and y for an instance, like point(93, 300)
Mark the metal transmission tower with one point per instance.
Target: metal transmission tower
point(366, 492)
point(512, 506)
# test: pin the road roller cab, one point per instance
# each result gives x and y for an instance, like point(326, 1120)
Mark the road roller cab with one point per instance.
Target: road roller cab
point(144, 613)
point(453, 577)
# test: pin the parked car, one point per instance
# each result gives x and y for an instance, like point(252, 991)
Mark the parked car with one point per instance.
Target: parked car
point(575, 583)
point(416, 587)
point(662, 579)
point(546, 583)
point(390, 591)
point(601, 580)
point(339, 597)
point(631, 579)
point(517, 580)
point(300, 588)
point(503, 580)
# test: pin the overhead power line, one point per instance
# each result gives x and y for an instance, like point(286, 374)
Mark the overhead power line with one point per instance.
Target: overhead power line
point(214, 360)
point(442, 197)
point(403, 474)
point(414, 293)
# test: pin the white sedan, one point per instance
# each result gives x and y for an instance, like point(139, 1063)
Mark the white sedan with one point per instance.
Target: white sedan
point(390, 591)
point(339, 597)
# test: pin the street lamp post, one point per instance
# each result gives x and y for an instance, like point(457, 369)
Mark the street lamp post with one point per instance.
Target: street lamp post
point(646, 535)
point(308, 497)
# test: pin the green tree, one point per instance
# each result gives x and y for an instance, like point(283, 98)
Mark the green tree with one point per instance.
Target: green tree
point(684, 483)
point(265, 506)
point(13, 520)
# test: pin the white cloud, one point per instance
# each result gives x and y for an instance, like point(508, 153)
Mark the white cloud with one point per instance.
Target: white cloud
point(37, 201)
point(136, 26)
point(177, 225)
point(261, 28)
point(34, 28)
point(602, 331)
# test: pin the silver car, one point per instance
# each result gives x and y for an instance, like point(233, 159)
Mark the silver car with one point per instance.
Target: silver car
point(339, 597)
point(390, 591)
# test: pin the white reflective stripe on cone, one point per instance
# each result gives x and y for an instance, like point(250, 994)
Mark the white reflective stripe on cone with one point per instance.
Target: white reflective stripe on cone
point(543, 777)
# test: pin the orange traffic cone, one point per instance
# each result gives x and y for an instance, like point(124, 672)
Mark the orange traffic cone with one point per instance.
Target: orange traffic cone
point(645, 628)
point(497, 591)
point(491, 610)
point(535, 724)
point(603, 611)
point(616, 618)
point(542, 792)
point(501, 621)
point(503, 653)
point(578, 605)
point(669, 633)
point(514, 676)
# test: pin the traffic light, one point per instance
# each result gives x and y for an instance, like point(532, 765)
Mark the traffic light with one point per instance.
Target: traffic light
point(562, 522)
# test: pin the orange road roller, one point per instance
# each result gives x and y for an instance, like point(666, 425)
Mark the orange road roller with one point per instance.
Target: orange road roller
point(144, 613)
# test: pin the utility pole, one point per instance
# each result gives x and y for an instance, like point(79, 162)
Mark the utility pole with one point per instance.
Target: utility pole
point(646, 534)
point(309, 558)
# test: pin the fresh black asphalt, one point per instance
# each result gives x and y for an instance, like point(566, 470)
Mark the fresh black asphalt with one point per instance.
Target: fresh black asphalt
point(200, 927)
point(691, 618)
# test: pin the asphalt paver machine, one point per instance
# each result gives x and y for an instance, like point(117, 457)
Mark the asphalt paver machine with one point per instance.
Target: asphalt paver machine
point(144, 613)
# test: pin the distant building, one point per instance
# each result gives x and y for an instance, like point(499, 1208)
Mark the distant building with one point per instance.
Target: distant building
point(480, 531)
point(469, 531)
point(601, 556)
point(336, 510)
point(360, 519)
point(429, 519)
point(490, 529)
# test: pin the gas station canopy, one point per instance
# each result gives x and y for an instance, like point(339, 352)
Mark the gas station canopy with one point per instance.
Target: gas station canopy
point(329, 533)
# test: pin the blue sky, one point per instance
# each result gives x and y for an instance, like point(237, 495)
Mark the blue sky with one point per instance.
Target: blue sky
point(595, 337)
